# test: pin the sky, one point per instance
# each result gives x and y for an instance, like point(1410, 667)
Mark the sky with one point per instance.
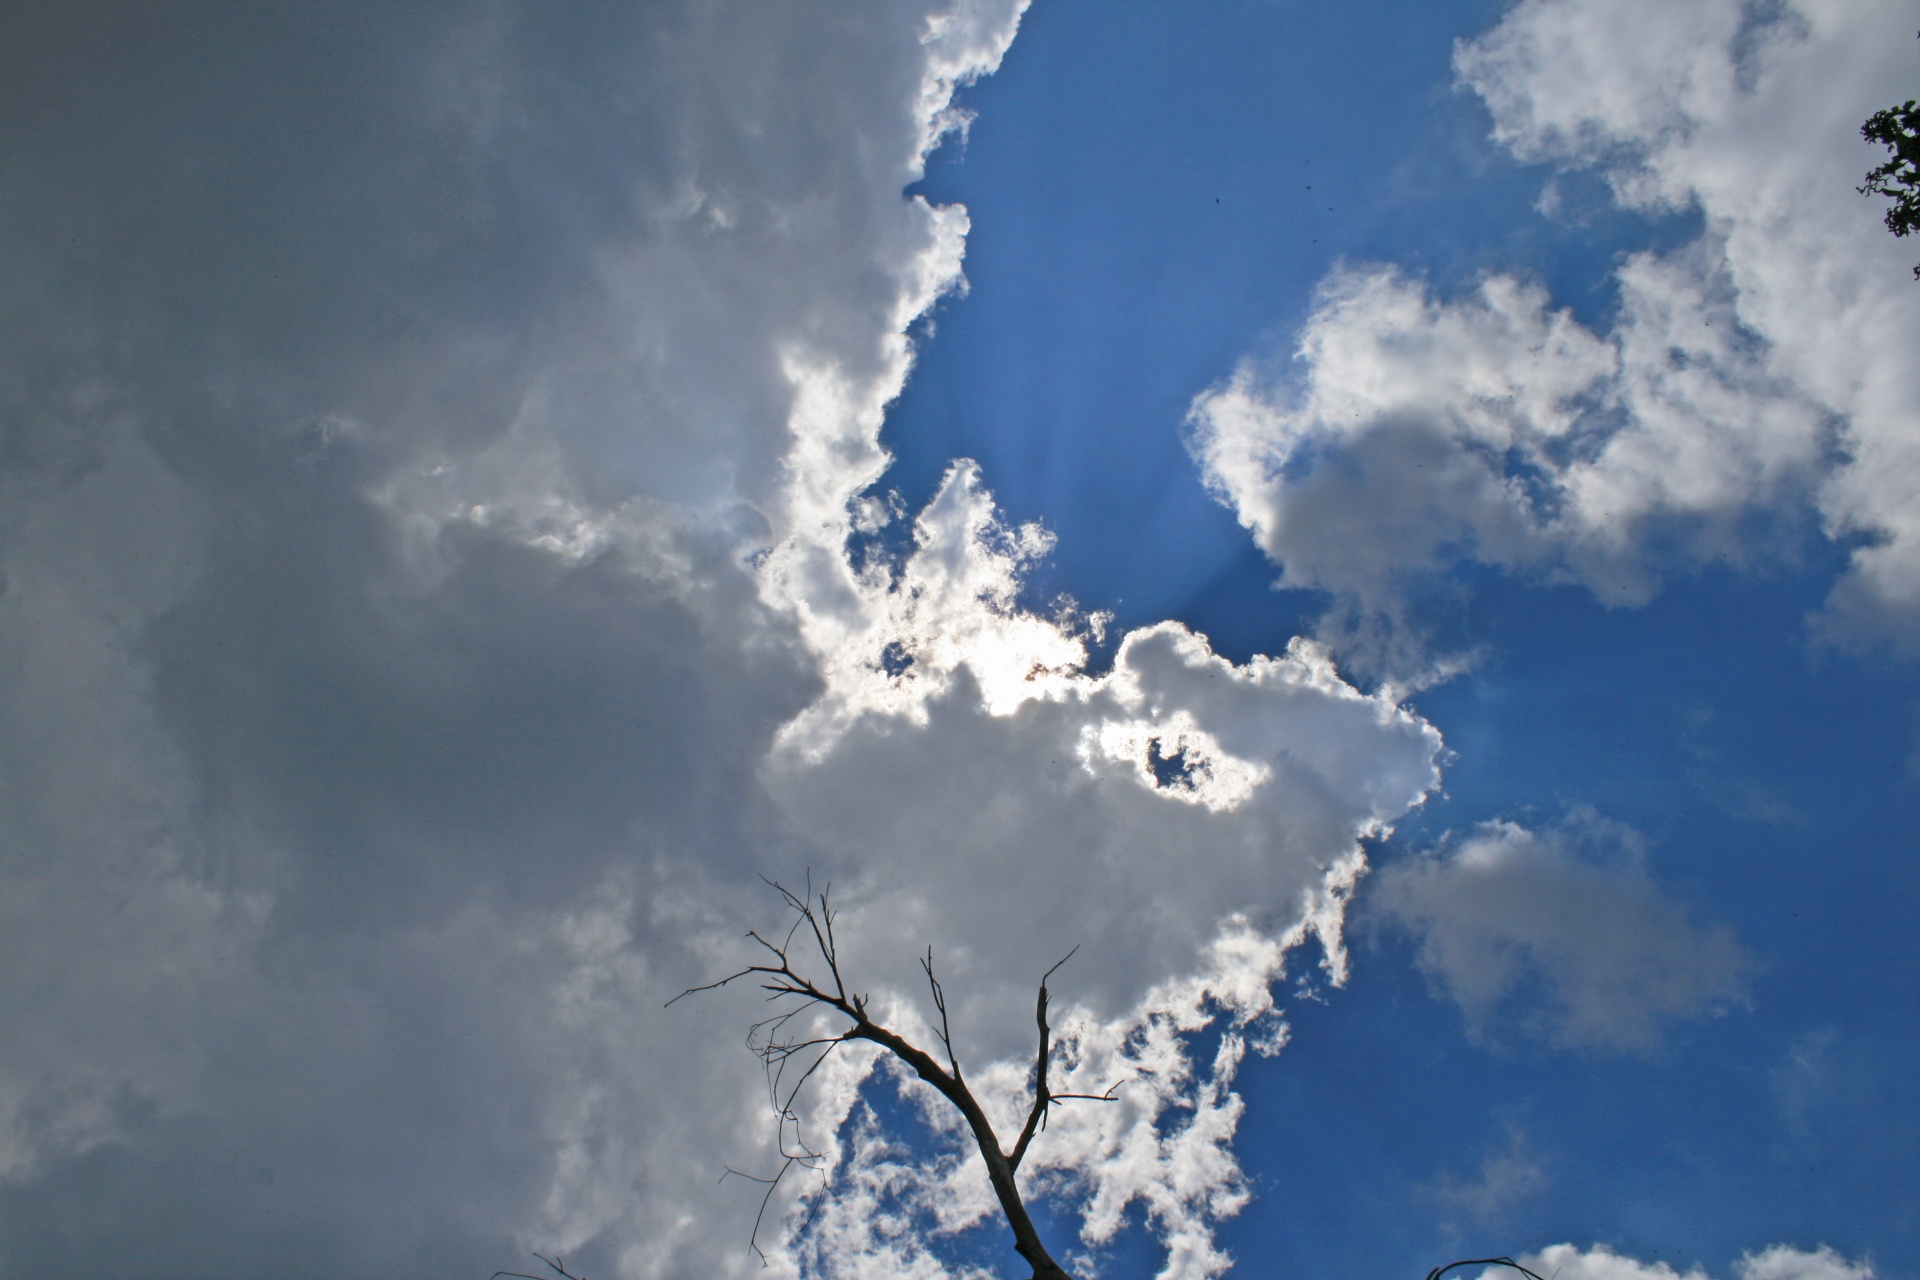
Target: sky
point(1391, 528)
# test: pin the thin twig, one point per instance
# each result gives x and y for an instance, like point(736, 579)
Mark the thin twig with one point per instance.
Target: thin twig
point(945, 1030)
point(1437, 1272)
point(521, 1275)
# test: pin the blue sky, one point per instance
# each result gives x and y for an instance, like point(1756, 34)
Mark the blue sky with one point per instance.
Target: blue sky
point(1770, 780)
point(484, 486)
point(1165, 195)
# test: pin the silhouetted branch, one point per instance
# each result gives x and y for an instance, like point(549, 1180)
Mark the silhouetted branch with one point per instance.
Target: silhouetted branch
point(785, 976)
point(945, 1029)
point(557, 1268)
point(1044, 1097)
point(1437, 1272)
point(788, 1161)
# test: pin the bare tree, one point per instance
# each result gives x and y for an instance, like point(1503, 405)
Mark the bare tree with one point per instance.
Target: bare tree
point(802, 974)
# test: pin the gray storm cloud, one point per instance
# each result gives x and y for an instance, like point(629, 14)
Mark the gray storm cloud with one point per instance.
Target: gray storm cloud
point(432, 440)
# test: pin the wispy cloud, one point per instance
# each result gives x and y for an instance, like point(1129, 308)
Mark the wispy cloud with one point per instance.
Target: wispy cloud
point(1509, 1172)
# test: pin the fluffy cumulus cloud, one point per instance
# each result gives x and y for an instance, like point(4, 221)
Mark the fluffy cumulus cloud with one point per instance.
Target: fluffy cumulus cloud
point(1757, 374)
point(1778, 1262)
point(1187, 822)
point(1560, 932)
point(432, 471)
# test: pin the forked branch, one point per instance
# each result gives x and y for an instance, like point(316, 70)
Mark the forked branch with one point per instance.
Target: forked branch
point(553, 1265)
point(791, 1052)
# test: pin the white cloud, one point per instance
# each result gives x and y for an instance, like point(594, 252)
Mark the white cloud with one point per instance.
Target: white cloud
point(1784, 1262)
point(1758, 126)
point(1509, 909)
point(1777, 1262)
point(1644, 72)
point(1760, 370)
point(995, 801)
point(1495, 429)
point(1045, 825)
point(434, 444)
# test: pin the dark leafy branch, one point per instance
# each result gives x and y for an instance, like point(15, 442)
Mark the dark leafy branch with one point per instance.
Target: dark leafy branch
point(801, 974)
point(1898, 129)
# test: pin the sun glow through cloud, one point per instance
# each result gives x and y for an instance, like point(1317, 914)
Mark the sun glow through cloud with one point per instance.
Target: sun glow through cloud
point(472, 511)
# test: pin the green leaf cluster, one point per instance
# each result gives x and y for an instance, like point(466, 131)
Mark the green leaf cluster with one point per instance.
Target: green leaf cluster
point(1898, 128)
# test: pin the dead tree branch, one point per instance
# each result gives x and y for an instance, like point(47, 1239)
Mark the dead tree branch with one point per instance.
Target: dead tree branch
point(556, 1267)
point(795, 984)
point(1437, 1272)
